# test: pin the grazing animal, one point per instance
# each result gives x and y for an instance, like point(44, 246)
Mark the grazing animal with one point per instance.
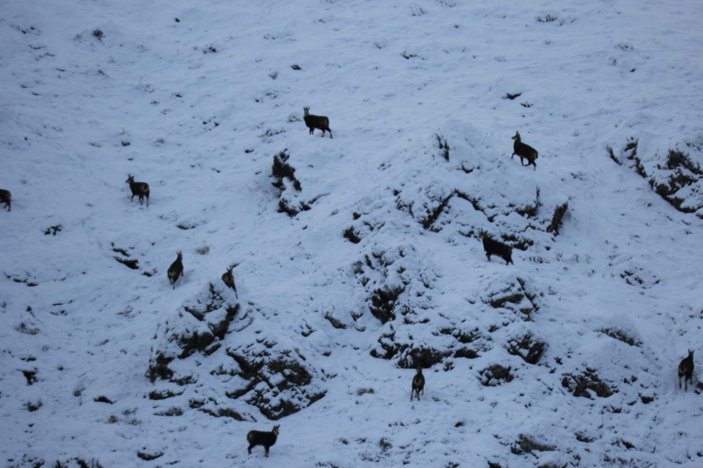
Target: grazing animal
point(524, 151)
point(139, 189)
point(418, 384)
point(493, 247)
point(686, 370)
point(228, 279)
point(6, 198)
point(267, 439)
point(175, 271)
point(316, 121)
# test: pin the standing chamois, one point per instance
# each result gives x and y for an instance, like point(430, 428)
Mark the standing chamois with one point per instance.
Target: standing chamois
point(316, 121)
point(6, 198)
point(686, 370)
point(524, 151)
point(228, 279)
point(493, 247)
point(139, 189)
point(175, 271)
point(418, 386)
point(267, 439)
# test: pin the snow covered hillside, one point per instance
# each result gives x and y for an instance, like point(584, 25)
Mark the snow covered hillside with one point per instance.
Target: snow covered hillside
point(356, 258)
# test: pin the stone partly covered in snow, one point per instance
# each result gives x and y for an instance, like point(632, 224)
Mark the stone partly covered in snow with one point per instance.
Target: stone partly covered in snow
point(396, 281)
point(235, 359)
point(275, 379)
point(514, 295)
point(675, 174)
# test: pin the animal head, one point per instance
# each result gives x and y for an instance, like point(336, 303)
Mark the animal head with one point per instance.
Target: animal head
point(178, 254)
point(276, 429)
point(306, 109)
point(419, 370)
point(130, 178)
point(516, 136)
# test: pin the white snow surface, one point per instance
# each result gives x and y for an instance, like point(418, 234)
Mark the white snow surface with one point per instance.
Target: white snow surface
point(196, 98)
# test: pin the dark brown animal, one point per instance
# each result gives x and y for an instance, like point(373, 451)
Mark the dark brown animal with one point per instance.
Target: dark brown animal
point(320, 122)
point(418, 386)
point(175, 271)
point(139, 189)
point(524, 151)
point(686, 370)
point(228, 279)
point(493, 247)
point(6, 198)
point(267, 439)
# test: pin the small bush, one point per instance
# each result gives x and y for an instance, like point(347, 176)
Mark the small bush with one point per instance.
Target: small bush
point(529, 348)
point(146, 456)
point(443, 146)
point(423, 356)
point(351, 235)
point(527, 444)
point(581, 385)
point(559, 213)
point(495, 375)
point(621, 335)
point(547, 18)
point(158, 368)
point(383, 302)
point(676, 159)
point(53, 230)
point(281, 169)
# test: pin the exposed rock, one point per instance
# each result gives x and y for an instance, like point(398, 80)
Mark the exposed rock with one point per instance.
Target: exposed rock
point(275, 378)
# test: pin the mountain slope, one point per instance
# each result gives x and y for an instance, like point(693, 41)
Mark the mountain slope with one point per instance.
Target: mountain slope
point(377, 267)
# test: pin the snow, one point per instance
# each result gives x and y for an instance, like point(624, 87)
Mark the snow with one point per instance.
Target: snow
point(197, 99)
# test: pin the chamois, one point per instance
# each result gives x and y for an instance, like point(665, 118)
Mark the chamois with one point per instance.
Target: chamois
point(686, 370)
point(316, 121)
point(175, 271)
point(228, 279)
point(418, 386)
point(6, 198)
point(493, 247)
point(267, 439)
point(524, 151)
point(139, 189)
